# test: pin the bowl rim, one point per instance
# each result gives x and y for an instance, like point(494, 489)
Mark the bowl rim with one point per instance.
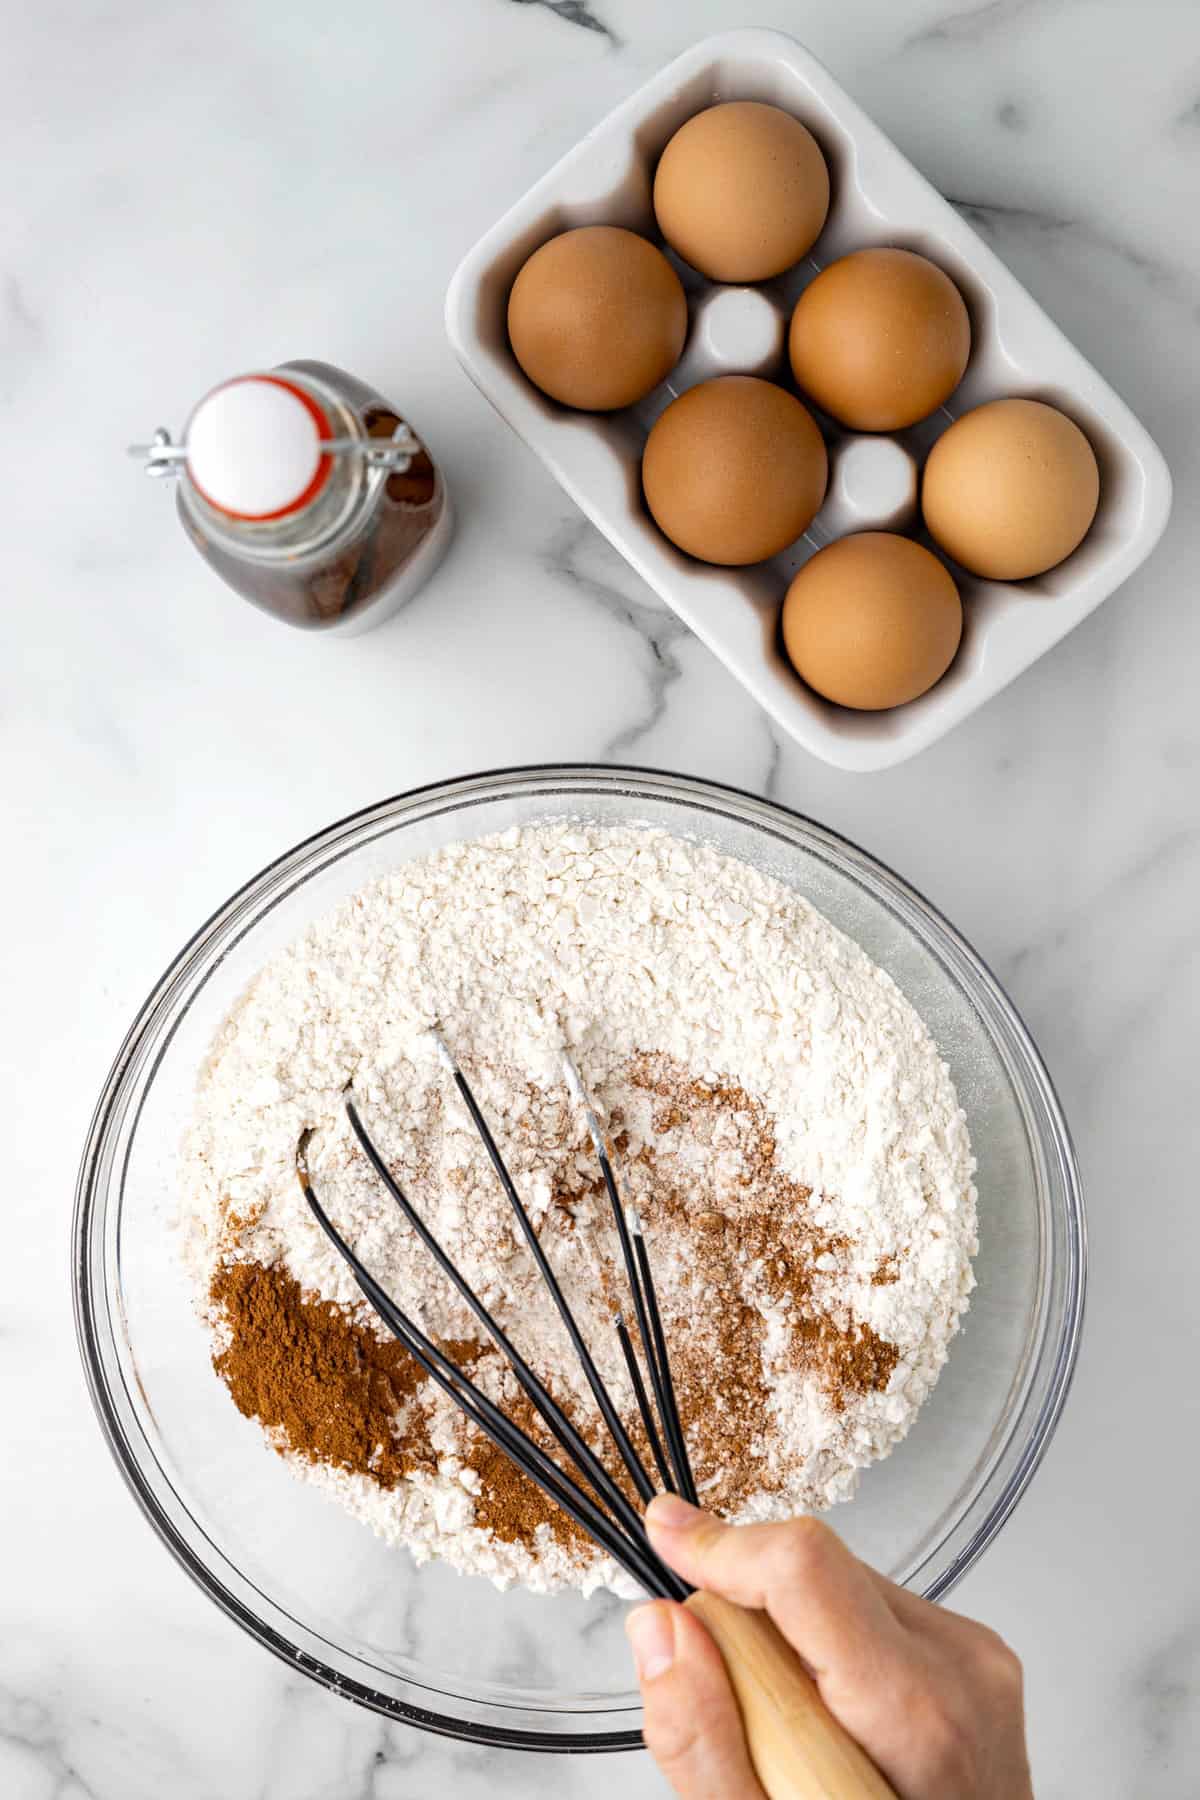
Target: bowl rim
point(476, 785)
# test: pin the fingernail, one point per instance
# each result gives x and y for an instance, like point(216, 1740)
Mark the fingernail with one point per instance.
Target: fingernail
point(672, 1513)
point(651, 1633)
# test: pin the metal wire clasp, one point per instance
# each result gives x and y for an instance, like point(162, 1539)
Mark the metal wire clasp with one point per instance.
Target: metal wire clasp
point(161, 457)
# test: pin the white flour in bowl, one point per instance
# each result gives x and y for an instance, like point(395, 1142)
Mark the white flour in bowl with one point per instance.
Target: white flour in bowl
point(782, 1119)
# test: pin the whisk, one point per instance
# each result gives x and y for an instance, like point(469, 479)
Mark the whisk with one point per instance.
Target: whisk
point(799, 1750)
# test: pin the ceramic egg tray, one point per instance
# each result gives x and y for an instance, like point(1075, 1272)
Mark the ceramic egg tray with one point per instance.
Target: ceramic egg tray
point(877, 198)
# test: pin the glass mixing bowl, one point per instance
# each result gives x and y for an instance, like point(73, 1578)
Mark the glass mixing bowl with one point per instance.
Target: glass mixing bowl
point(448, 1652)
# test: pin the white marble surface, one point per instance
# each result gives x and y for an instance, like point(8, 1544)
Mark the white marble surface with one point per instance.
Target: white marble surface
point(190, 191)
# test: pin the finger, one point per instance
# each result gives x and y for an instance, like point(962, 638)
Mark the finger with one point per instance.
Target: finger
point(692, 1726)
point(820, 1596)
point(823, 1600)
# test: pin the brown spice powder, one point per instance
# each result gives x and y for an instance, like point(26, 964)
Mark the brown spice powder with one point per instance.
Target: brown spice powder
point(318, 1381)
point(509, 1503)
point(768, 1253)
point(325, 1386)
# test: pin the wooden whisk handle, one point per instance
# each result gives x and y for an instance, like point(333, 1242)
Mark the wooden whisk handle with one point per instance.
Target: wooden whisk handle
point(798, 1749)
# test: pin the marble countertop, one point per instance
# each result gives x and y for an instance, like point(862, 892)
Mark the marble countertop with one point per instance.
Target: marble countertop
point(194, 191)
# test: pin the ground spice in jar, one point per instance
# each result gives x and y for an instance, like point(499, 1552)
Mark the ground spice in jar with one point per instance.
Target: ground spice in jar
point(349, 544)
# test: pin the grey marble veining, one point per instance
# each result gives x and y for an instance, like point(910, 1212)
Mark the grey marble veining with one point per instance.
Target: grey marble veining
point(194, 191)
point(575, 12)
point(581, 557)
point(971, 24)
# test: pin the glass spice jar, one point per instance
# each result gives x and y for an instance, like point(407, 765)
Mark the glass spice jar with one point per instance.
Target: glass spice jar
point(309, 495)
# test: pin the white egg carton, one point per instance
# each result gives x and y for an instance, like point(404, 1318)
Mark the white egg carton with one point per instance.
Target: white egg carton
point(878, 198)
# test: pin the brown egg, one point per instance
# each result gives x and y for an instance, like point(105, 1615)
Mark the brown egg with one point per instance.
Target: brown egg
point(871, 621)
point(880, 339)
point(734, 470)
point(741, 191)
point(1010, 489)
point(597, 317)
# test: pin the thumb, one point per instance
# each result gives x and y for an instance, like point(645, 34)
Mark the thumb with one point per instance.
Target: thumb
point(824, 1601)
point(692, 1726)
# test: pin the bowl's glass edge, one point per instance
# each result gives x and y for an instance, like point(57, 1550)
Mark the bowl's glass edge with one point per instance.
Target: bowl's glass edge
point(571, 778)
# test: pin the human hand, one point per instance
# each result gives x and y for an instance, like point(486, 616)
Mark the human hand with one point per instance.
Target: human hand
point(933, 1698)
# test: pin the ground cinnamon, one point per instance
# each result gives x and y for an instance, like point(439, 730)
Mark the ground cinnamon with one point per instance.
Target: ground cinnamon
point(508, 1503)
point(321, 1384)
point(767, 1254)
point(326, 1386)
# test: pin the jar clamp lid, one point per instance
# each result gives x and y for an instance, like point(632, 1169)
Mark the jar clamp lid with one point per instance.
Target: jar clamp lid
point(260, 448)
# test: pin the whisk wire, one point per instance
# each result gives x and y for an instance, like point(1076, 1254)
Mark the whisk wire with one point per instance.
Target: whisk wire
point(607, 1514)
point(638, 1560)
point(644, 1407)
point(600, 1393)
point(580, 1452)
point(672, 1425)
point(646, 1310)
